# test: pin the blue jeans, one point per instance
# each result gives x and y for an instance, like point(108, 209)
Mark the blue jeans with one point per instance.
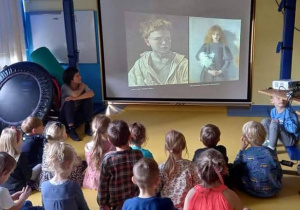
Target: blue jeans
point(276, 132)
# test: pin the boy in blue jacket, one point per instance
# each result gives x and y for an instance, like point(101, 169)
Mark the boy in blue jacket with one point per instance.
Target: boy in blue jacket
point(283, 124)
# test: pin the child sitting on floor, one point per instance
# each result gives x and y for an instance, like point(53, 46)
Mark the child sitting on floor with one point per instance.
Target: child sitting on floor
point(256, 170)
point(138, 138)
point(11, 142)
point(210, 137)
point(7, 166)
point(33, 140)
point(59, 192)
point(56, 132)
point(178, 175)
point(115, 184)
point(211, 193)
point(95, 151)
point(282, 126)
point(146, 177)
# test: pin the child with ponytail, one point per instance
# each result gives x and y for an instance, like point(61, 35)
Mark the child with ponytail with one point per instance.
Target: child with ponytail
point(60, 192)
point(95, 151)
point(211, 193)
point(56, 132)
point(178, 175)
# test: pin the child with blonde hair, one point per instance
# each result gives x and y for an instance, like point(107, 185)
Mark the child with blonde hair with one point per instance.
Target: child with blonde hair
point(60, 192)
point(256, 169)
point(178, 175)
point(33, 140)
point(95, 151)
point(146, 177)
point(7, 166)
point(56, 132)
point(138, 138)
point(11, 142)
point(211, 193)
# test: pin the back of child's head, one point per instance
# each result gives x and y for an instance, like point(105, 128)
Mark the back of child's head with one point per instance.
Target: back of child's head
point(99, 126)
point(59, 157)
point(9, 141)
point(118, 133)
point(210, 135)
point(54, 131)
point(69, 74)
point(7, 163)
point(30, 123)
point(254, 132)
point(138, 133)
point(174, 143)
point(146, 173)
point(210, 165)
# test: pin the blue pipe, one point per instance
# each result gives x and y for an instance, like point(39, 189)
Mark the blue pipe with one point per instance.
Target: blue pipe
point(286, 46)
point(69, 17)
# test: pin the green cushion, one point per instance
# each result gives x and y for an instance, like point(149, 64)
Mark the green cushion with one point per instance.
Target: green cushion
point(45, 58)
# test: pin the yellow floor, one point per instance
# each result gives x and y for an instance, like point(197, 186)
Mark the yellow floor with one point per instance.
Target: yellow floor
point(158, 120)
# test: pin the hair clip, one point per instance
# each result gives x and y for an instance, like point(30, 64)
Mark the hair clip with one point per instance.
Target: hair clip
point(171, 151)
point(60, 155)
point(58, 124)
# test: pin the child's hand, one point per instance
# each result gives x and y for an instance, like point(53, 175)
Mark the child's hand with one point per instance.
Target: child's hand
point(244, 143)
point(26, 191)
point(275, 121)
point(16, 195)
point(104, 208)
point(69, 98)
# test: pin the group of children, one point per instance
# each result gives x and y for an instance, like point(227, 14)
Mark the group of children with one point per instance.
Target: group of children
point(126, 175)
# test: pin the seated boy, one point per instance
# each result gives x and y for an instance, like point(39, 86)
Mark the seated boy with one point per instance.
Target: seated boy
point(146, 177)
point(282, 126)
point(256, 170)
point(76, 103)
point(33, 140)
point(115, 184)
point(210, 136)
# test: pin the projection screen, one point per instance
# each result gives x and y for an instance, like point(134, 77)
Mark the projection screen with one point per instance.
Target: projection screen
point(174, 50)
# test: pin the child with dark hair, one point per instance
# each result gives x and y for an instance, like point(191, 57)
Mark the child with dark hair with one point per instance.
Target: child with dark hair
point(116, 168)
point(138, 138)
point(256, 170)
point(7, 166)
point(211, 193)
point(76, 103)
point(33, 140)
point(210, 137)
point(146, 177)
point(178, 175)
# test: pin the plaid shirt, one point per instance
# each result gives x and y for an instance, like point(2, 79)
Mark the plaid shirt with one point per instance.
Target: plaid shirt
point(115, 185)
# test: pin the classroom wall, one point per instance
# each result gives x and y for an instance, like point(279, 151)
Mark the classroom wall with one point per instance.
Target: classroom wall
point(268, 31)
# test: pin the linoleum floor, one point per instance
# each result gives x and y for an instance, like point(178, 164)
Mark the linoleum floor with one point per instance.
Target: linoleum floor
point(159, 119)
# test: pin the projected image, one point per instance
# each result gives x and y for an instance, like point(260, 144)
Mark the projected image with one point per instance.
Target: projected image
point(152, 44)
point(214, 50)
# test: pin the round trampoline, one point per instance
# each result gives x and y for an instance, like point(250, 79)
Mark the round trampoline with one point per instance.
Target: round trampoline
point(25, 90)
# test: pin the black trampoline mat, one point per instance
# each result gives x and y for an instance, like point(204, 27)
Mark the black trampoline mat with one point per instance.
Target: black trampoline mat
point(19, 98)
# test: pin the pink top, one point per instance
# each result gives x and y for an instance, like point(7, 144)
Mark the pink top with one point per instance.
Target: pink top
point(91, 177)
point(209, 199)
